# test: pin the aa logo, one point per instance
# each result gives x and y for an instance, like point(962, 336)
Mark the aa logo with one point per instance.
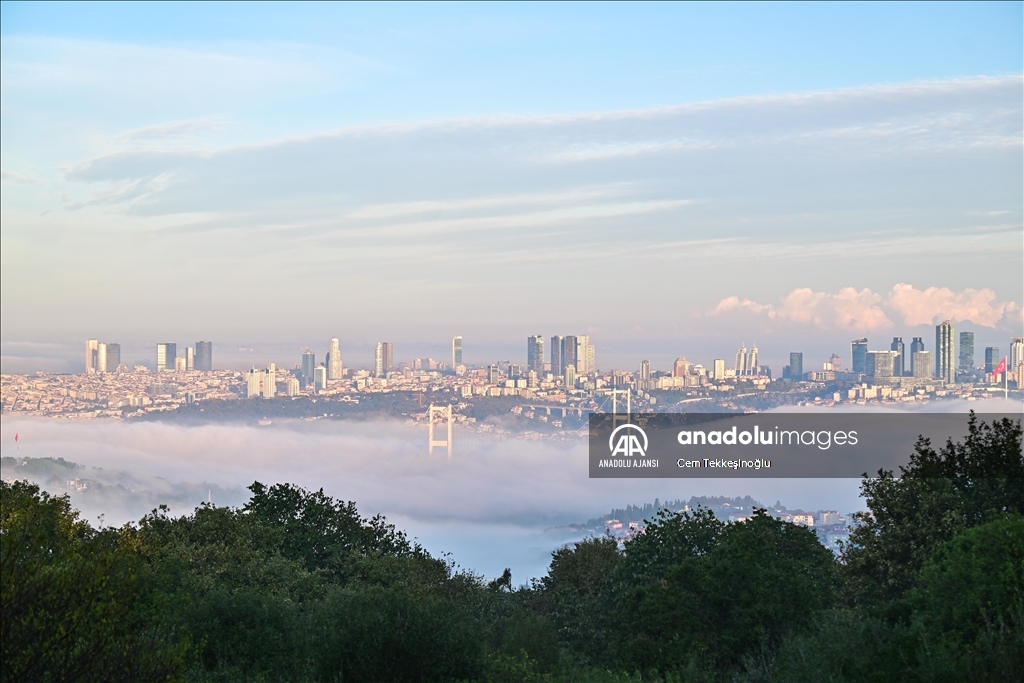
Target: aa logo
point(628, 442)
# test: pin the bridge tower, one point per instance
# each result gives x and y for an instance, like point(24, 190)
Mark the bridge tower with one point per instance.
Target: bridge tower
point(442, 412)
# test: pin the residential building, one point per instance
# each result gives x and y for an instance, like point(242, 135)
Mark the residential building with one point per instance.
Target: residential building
point(383, 358)
point(645, 370)
point(1016, 359)
point(269, 382)
point(334, 369)
point(253, 384)
point(915, 346)
point(293, 387)
point(719, 368)
point(457, 352)
point(570, 377)
point(921, 364)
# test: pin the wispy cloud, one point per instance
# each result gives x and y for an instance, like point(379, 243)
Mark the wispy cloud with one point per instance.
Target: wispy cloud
point(18, 178)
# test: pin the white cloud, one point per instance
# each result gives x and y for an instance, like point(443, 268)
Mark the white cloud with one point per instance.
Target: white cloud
point(18, 178)
point(865, 310)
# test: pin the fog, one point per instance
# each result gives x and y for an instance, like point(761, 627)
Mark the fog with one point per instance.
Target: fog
point(489, 506)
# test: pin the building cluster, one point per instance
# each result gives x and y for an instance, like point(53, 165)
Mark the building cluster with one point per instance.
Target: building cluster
point(559, 371)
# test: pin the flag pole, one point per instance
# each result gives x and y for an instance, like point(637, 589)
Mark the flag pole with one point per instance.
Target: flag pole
point(1006, 369)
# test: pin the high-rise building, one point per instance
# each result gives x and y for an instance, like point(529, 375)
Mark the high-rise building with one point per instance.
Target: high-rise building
point(645, 370)
point(570, 345)
point(583, 354)
point(681, 368)
point(382, 358)
point(880, 365)
point(179, 364)
point(752, 367)
point(836, 362)
point(945, 351)
point(308, 366)
point(916, 346)
point(91, 348)
point(253, 384)
point(334, 369)
point(101, 357)
point(899, 363)
point(493, 374)
point(1016, 359)
point(992, 359)
point(570, 376)
point(859, 349)
point(113, 357)
point(535, 353)
point(557, 344)
point(591, 357)
point(190, 358)
point(204, 356)
point(741, 360)
point(166, 353)
point(293, 386)
point(921, 364)
point(320, 377)
point(269, 382)
point(457, 352)
point(796, 365)
point(719, 368)
point(966, 352)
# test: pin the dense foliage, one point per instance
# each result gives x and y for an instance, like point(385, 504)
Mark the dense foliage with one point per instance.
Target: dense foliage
point(297, 586)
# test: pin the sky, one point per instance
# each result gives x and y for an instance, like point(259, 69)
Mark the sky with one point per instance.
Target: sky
point(672, 179)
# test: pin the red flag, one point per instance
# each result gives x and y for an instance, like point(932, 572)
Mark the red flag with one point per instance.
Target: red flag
point(15, 437)
point(1001, 368)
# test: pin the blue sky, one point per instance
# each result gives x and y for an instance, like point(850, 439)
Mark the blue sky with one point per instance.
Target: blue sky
point(672, 179)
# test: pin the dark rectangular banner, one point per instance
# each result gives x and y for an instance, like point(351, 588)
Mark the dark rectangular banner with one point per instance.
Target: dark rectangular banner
point(765, 445)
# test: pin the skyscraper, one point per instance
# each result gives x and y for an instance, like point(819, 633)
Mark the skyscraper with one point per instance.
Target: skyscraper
point(570, 377)
point(966, 352)
point(493, 374)
point(880, 365)
point(113, 357)
point(456, 352)
point(583, 354)
point(204, 356)
point(535, 353)
point(569, 349)
point(719, 368)
point(645, 370)
point(916, 346)
point(992, 359)
point(382, 358)
point(308, 366)
point(859, 348)
point(836, 362)
point(166, 354)
point(741, 360)
point(91, 348)
point(269, 383)
point(681, 368)
point(101, 357)
point(319, 377)
point(796, 365)
point(556, 355)
point(334, 369)
point(190, 358)
point(921, 364)
point(899, 363)
point(752, 367)
point(254, 381)
point(945, 351)
point(1016, 353)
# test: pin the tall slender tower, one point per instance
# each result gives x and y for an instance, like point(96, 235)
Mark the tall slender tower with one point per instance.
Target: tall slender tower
point(456, 351)
point(917, 346)
point(204, 356)
point(899, 363)
point(91, 348)
point(557, 342)
point(966, 363)
point(945, 351)
point(334, 368)
point(535, 353)
point(859, 349)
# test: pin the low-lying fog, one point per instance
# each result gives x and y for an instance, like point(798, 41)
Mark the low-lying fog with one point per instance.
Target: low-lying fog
point(489, 506)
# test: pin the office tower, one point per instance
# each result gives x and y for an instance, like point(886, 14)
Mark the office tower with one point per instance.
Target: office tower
point(204, 356)
point(456, 352)
point(269, 387)
point(570, 377)
point(719, 368)
point(308, 366)
point(569, 348)
point(333, 360)
point(382, 358)
point(645, 370)
point(557, 343)
point(859, 348)
point(535, 353)
point(741, 360)
point(319, 377)
point(921, 364)
point(254, 379)
point(1016, 353)
point(796, 365)
point(992, 359)
point(751, 362)
point(915, 346)
point(190, 358)
point(293, 386)
point(179, 364)
point(681, 368)
point(166, 353)
point(591, 357)
point(113, 357)
point(966, 357)
point(583, 354)
point(91, 347)
point(101, 357)
point(899, 363)
point(880, 364)
point(493, 374)
point(514, 371)
point(945, 351)
point(837, 362)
